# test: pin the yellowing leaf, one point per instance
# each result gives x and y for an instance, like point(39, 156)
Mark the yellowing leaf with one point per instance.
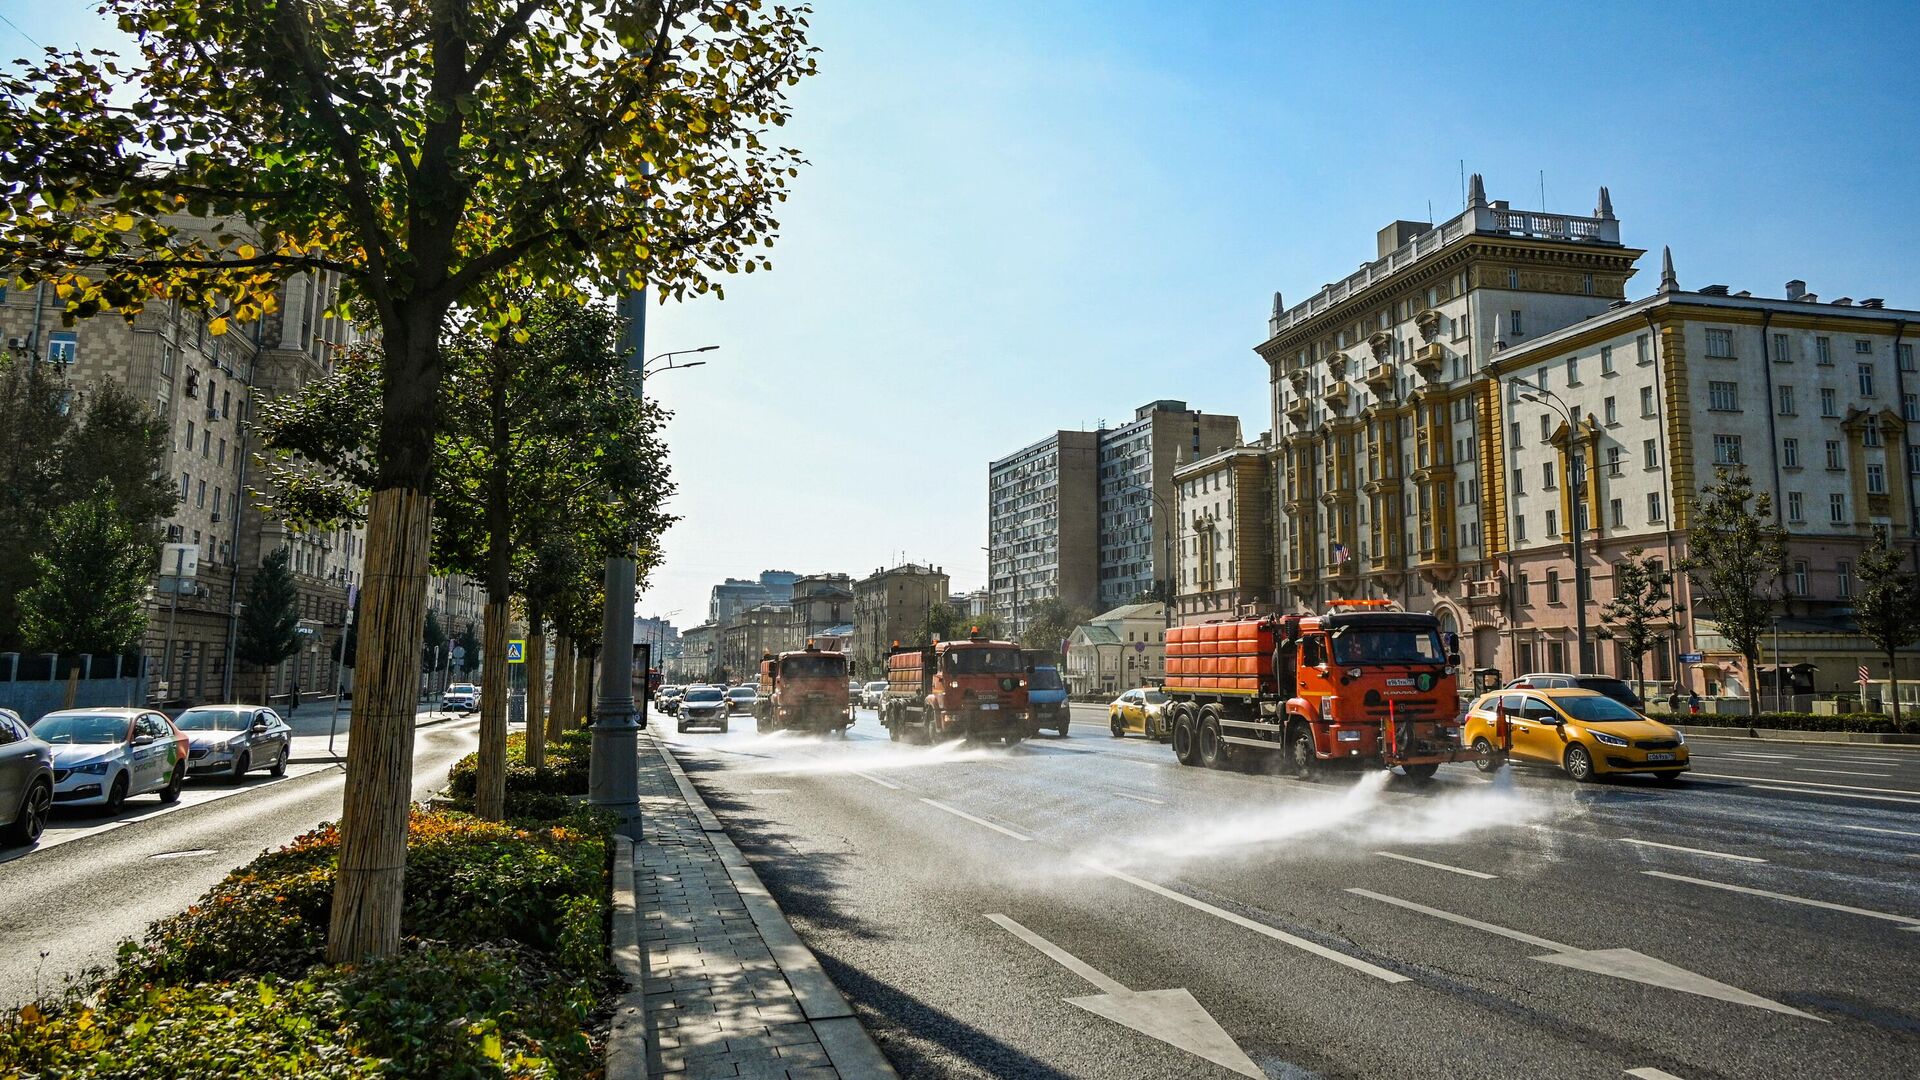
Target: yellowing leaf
point(217, 326)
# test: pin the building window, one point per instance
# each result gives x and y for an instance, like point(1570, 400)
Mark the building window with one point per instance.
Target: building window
point(1910, 406)
point(1720, 344)
point(1800, 577)
point(1520, 527)
point(1553, 586)
point(1796, 507)
point(1513, 322)
point(1573, 371)
point(1513, 431)
point(1780, 353)
point(1913, 460)
point(1612, 410)
point(186, 484)
point(1823, 351)
point(1790, 453)
point(226, 403)
point(1643, 350)
point(1653, 507)
point(1553, 523)
point(166, 358)
point(1870, 436)
point(191, 432)
point(1546, 428)
point(222, 458)
point(1837, 508)
point(1606, 359)
point(1646, 401)
point(1726, 449)
point(1519, 482)
point(1876, 478)
point(1866, 380)
point(1586, 284)
point(1862, 346)
point(1513, 278)
point(1843, 578)
point(200, 495)
point(1650, 453)
point(1785, 394)
point(1546, 476)
point(1723, 396)
point(1613, 461)
point(1829, 402)
point(1617, 509)
point(1833, 455)
point(63, 347)
point(217, 500)
point(1906, 358)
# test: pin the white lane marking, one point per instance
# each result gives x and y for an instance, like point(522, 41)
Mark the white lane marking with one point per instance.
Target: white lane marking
point(192, 854)
point(1171, 1016)
point(977, 821)
point(1616, 963)
point(1834, 794)
point(1752, 757)
point(1847, 772)
point(1689, 850)
point(1808, 783)
point(1650, 1073)
point(1869, 828)
point(1909, 923)
point(1140, 798)
point(888, 784)
point(1437, 865)
point(1242, 921)
point(768, 791)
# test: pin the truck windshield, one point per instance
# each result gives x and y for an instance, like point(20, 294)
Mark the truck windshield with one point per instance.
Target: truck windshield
point(983, 662)
point(1045, 679)
point(1387, 645)
point(814, 667)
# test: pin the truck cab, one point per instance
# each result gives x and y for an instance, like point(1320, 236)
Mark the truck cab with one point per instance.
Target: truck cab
point(1046, 692)
point(965, 688)
point(803, 690)
point(1368, 684)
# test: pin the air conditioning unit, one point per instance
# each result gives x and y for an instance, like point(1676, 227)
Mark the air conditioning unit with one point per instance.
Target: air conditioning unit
point(213, 411)
point(175, 533)
point(216, 517)
point(18, 344)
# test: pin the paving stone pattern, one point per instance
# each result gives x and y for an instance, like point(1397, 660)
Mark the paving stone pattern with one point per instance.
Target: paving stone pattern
point(716, 1002)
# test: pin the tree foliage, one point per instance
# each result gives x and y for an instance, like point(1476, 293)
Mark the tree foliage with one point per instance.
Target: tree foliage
point(945, 622)
point(1888, 606)
point(1641, 611)
point(1736, 557)
point(1050, 622)
point(92, 575)
point(269, 629)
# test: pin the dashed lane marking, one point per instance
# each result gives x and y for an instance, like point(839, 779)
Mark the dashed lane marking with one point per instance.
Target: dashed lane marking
point(1140, 798)
point(1907, 922)
point(1438, 866)
point(888, 784)
point(1023, 838)
point(1806, 783)
point(1650, 1073)
point(1869, 828)
point(1691, 850)
point(1834, 794)
point(1847, 772)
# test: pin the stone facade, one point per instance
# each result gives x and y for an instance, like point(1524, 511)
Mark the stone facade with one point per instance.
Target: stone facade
point(889, 606)
point(1117, 650)
point(1223, 561)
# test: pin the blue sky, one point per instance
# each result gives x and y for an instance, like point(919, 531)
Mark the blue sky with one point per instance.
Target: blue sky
point(1028, 216)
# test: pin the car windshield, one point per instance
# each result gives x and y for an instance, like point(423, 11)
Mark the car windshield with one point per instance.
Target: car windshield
point(214, 720)
point(1595, 710)
point(741, 692)
point(705, 693)
point(461, 688)
point(983, 661)
point(1617, 689)
point(876, 686)
point(814, 667)
point(1155, 697)
point(1046, 679)
point(88, 728)
point(1387, 645)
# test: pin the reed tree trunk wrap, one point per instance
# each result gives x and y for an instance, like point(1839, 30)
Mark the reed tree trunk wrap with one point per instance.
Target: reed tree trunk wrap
point(563, 669)
point(369, 885)
point(582, 683)
point(490, 781)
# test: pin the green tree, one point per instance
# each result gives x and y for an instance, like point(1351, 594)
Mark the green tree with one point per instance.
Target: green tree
point(469, 643)
point(945, 621)
point(1736, 558)
point(426, 153)
point(433, 644)
point(91, 588)
point(1050, 622)
point(269, 617)
point(1888, 606)
point(1640, 611)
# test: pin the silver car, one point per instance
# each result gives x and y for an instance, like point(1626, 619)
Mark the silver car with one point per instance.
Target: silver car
point(703, 705)
point(228, 740)
point(102, 756)
point(26, 782)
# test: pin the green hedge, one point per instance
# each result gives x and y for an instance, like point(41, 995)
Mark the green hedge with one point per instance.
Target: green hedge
point(542, 794)
point(1869, 723)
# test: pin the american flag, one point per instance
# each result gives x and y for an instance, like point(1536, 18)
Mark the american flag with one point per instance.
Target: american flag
point(1864, 678)
point(1340, 553)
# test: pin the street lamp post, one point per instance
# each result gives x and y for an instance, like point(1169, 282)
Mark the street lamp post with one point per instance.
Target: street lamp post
point(1577, 480)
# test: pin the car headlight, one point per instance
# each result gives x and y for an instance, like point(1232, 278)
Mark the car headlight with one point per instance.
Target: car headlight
point(1610, 740)
point(94, 768)
point(1680, 736)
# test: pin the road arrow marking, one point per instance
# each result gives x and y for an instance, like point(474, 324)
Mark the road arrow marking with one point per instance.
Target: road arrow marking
point(1619, 963)
point(1171, 1016)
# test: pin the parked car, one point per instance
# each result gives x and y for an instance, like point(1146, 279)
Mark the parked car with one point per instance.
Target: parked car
point(703, 705)
point(228, 740)
point(103, 756)
point(742, 699)
point(1139, 711)
point(1618, 689)
point(463, 696)
point(1584, 732)
point(873, 694)
point(26, 782)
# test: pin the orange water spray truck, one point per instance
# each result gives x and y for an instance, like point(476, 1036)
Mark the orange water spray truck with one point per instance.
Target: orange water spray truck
point(803, 690)
point(1364, 684)
point(965, 688)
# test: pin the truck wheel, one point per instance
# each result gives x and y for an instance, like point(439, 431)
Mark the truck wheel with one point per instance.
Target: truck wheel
point(1212, 752)
point(1185, 739)
point(1420, 774)
point(1488, 761)
point(1300, 753)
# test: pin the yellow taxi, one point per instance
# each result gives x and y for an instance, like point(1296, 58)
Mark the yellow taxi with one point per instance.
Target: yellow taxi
point(1582, 731)
point(1140, 711)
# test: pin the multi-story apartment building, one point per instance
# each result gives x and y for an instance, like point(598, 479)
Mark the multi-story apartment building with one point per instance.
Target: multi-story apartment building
point(1043, 525)
point(889, 606)
point(659, 633)
point(1817, 400)
point(741, 644)
point(695, 663)
point(1386, 428)
point(1137, 462)
point(821, 602)
point(1223, 542)
point(735, 595)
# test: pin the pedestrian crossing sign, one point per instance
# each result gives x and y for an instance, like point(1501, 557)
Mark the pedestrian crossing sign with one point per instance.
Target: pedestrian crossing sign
point(517, 651)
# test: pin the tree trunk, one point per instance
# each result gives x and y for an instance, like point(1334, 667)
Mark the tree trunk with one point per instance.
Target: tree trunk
point(369, 885)
point(73, 683)
point(1753, 684)
point(1893, 688)
point(490, 782)
point(266, 685)
point(563, 669)
point(583, 689)
point(536, 688)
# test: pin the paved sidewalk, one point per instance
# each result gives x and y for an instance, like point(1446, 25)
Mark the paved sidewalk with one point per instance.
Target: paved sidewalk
point(725, 986)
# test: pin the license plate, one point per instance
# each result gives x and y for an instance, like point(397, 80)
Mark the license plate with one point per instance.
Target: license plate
point(1659, 757)
point(988, 706)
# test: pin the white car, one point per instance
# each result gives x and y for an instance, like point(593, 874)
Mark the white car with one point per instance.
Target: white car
point(102, 756)
point(874, 694)
point(228, 740)
point(463, 696)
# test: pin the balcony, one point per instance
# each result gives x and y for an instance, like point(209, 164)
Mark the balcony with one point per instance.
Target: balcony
point(1297, 411)
point(1338, 394)
point(1430, 360)
point(1486, 591)
point(1380, 377)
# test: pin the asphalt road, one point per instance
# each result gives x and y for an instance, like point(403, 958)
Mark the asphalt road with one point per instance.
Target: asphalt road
point(95, 879)
point(996, 913)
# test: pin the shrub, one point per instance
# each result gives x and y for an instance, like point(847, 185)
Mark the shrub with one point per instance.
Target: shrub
point(1871, 723)
point(533, 794)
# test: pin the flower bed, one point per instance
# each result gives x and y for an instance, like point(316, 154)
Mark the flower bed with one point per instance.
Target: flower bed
point(503, 969)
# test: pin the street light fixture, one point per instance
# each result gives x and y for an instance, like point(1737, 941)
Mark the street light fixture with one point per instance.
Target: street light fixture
point(649, 368)
point(1577, 467)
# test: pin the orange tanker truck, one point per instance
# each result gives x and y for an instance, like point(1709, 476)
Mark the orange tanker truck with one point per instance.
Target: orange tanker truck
point(967, 688)
point(804, 691)
point(1364, 684)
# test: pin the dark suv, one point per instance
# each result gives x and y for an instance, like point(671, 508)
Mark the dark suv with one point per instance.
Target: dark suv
point(1618, 689)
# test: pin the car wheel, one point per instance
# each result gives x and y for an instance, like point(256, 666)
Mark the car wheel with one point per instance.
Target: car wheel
point(1114, 727)
point(683, 727)
point(1488, 761)
point(32, 820)
point(280, 763)
point(1300, 753)
point(1579, 763)
point(240, 766)
point(171, 793)
point(117, 794)
point(1066, 721)
point(1186, 740)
